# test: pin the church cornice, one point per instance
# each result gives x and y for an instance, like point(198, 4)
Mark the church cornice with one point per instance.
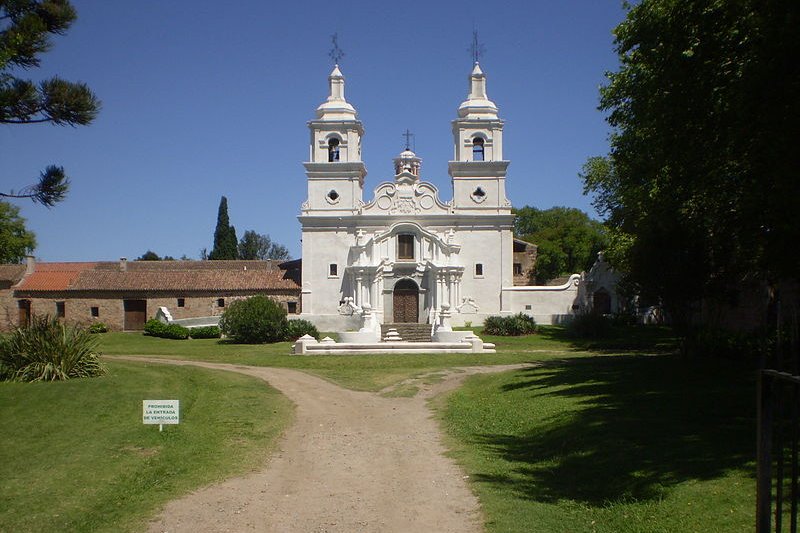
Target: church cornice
point(470, 221)
point(343, 170)
point(478, 169)
point(337, 125)
point(483, 123)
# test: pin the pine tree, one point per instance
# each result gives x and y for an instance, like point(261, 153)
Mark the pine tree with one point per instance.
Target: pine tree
point(24, 34)
point(225, 242)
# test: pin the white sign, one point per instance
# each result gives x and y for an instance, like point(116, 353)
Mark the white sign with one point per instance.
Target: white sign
point(161, 411)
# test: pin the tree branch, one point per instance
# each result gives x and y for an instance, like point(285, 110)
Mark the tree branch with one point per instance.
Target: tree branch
point(52, 188)
point(28, 121)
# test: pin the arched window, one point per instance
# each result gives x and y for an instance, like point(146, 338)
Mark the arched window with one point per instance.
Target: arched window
point(477, 149)
point(333, 150)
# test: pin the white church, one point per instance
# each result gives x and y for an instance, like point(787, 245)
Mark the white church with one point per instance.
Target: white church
point(406, 255)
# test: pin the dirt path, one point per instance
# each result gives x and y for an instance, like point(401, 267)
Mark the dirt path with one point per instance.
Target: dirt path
point(352, 462)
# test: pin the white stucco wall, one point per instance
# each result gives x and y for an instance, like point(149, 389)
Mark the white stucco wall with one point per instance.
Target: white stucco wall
point(547, 304)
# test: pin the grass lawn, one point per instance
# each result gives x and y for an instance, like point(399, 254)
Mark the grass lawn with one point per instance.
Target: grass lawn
point(609, 444)
point(374, 372)
point(617, 435)
point(75, 456)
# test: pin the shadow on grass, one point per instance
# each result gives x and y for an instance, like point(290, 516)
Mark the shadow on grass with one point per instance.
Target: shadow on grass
point(635, 338)
point(635, 427)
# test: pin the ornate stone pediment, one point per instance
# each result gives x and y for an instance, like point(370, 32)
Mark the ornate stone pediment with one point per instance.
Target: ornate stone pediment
point(406, 197)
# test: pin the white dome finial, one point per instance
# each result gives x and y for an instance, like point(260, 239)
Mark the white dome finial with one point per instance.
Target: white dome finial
point(336, 107)
point(477, 104)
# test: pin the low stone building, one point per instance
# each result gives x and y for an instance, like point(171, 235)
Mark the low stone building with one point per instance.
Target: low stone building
point(524, 261)
point(124, 295)
point(10, 275)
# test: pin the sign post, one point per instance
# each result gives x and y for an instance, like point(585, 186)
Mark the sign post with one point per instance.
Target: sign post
point(161, 412)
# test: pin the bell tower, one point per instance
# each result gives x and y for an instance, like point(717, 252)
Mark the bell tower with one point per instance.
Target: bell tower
point(335, 170)
point(478, 170)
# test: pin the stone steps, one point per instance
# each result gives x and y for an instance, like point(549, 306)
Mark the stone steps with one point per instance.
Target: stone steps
point(409, 332)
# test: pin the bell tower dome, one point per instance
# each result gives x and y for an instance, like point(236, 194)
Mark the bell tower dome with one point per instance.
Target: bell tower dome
point(335, 170)
point(478, 170)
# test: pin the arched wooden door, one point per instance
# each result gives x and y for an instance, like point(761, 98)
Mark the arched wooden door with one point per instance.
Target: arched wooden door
point(405, 301)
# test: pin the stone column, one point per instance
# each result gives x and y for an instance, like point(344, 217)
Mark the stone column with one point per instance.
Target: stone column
point(449, 299)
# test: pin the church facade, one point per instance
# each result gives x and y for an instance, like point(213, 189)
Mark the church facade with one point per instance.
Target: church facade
point(405, 254)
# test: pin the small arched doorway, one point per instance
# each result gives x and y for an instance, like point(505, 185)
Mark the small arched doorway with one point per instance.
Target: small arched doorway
point(601, 302)
point(405, 301)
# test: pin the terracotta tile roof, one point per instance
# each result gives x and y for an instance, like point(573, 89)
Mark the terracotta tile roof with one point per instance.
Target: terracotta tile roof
point(53, 276)
point(183, 280)
point(65, 267)
point(190, 265)
point(11, 273)
point(159, 276)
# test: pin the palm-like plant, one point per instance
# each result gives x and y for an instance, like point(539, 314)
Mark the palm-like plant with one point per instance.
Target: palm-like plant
point(49, 350)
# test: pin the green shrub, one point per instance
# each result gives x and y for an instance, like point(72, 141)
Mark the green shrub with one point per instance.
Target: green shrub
point(708, 341)
point(254, 320)
point(514, 325)
point(156, 328)
point(205, 332)
point(589, 326)
point(98, 327)
point(297, 328)
point(624, 319)
point(49, 350)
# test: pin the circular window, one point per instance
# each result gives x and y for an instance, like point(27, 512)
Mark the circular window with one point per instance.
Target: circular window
point(332, 197)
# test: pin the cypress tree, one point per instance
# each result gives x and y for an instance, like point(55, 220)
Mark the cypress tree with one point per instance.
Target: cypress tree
point(225, 242)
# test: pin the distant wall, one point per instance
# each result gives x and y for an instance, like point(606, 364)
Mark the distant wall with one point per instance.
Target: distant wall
point(546, 304)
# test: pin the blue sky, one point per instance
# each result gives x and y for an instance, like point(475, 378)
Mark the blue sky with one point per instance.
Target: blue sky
point(203, 99)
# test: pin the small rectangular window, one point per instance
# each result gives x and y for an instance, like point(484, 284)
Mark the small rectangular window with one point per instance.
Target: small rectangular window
point(517, 269)
point(527, 307)
point(479, 269)
point(405, 247)
point(95, 312)
point(61, 309)
point(333, 270)
point(181, 302)
point(220, 302)
point(291, 307)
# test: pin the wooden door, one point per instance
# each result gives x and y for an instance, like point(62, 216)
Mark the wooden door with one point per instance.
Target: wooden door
point(406, 301)
point(135, 314)
point(24, 313)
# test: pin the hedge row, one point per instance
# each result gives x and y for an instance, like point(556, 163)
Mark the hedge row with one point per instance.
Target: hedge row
point(156, 328)
point(514, 325)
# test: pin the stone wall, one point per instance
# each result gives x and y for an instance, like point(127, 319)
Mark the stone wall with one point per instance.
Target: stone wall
point(9, 310)
point(527, 260)
point(78, 310)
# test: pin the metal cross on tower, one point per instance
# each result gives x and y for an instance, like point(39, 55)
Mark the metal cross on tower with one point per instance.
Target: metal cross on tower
point(476, 49)
point(408, 135)
point(336, 53)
